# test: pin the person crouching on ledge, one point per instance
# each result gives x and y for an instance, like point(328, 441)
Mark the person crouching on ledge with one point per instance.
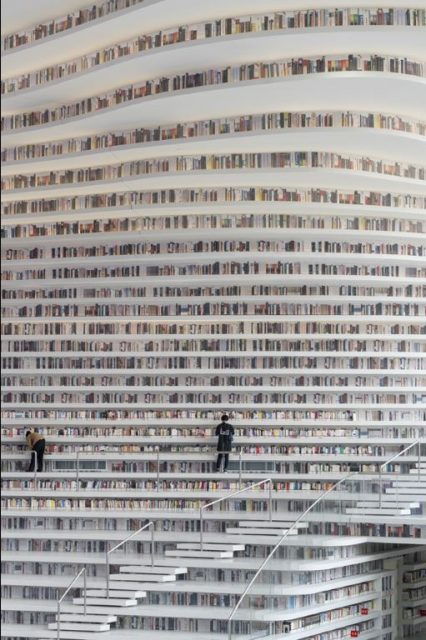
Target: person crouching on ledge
point(36, 443)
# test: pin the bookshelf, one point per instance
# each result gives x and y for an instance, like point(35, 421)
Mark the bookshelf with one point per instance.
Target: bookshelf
point(257, 71)
point(175, 245)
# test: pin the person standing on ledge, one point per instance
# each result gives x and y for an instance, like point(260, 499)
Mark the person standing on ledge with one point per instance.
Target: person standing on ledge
point(225, 432)
point(36, 443)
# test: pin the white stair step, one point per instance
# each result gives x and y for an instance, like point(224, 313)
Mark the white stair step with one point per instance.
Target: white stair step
point(406, 492)
point(378, 511)
point(389, 504)
point(120, 587)
point(415, 471)
point(147, 577)
point(271, 524)
point(211, 546)
point(70, 626)
point(90, 617)
point(154, 570)
point(113, 593)
point(108, 602)
point(137, 587)
point(188, 553)
point(409, 483)
point(262, 532)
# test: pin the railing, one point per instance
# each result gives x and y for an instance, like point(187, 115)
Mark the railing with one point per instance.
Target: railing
point(301, 518)
point(283, 537)
point(35, 454)
point(231, 495)
point(59, 602)
point(120, 544)
point(397, 455)
point(158, 462)
point(240, 455)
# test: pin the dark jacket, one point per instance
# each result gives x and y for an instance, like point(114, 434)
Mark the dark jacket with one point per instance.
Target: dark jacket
point(33, 438)
point(225, 431)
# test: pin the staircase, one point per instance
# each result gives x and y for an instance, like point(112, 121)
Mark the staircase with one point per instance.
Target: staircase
point(92, 609)
point(405, 497)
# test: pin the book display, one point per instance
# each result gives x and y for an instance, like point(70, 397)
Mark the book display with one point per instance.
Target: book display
point(173, 251)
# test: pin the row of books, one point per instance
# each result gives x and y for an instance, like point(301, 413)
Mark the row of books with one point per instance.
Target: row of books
point(299, 329)
point(248, 397)
point(116, 346)
point(213, 128)
point(151, 484)
point(214, 77)
point(68, 362)
point(72, 20)
point(131, 249)
point(225, 267)
point(363, 414)
point(262, 464)
point(276, 21)
point(359, 222)
point(294, 432)
point(199, 196)
point(287, 294)
point(219, 27)
point(79, 383)
point(66, 311)
point(213, 162)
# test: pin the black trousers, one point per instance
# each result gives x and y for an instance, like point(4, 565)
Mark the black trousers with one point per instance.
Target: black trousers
point(38, 448)
point(225, 456)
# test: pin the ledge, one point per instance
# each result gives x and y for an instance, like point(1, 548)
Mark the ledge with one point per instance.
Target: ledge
point(154, 15)
point(405, 42)
point(283, 177)
point(342, 91)
point(379, 143)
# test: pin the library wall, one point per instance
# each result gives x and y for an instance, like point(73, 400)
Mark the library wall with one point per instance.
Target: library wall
point(162, 266)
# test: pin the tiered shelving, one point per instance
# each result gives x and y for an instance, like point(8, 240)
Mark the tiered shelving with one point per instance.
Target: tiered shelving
point(220, 211)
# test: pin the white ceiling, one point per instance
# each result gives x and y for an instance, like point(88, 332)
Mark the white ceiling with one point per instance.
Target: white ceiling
point(17, 15)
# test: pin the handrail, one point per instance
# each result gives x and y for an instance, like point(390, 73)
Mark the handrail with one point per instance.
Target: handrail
point(59, 602)
point(231, 495)
point(413, 444)
point(117, 546)
point(385, 464)
point(283, 537)
point(158, 451)
point(293, 526)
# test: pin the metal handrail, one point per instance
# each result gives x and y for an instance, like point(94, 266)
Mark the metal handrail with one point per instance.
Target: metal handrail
point(385, 464)
point(59, 602)
point(283, 537)
point(158, 460)
point(413, 444)
point(231, 495)
point(293, 526)
point(117, 546)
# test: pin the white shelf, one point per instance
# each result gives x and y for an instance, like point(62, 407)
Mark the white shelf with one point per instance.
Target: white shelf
point(373, 91)
point(221, 209)
point(165, 280)
point(372, 320)
point(398, 41)
point(385, 143)
point(321, 178)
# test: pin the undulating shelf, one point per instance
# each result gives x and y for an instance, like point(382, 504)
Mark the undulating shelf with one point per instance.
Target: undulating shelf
point(230, 75)
point(220, 27)
point(212, 129)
